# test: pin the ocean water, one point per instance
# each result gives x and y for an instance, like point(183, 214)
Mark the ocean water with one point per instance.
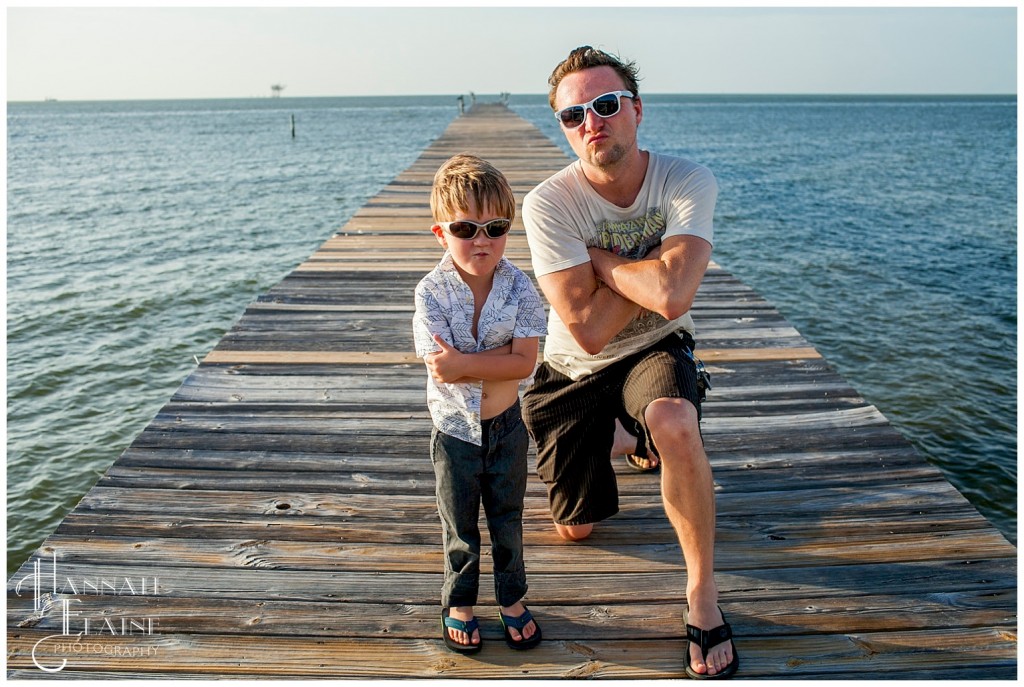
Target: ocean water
point(883, 228)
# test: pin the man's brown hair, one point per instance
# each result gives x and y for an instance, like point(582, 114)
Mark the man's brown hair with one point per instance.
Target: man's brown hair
point(465, 176)
point(586, 57)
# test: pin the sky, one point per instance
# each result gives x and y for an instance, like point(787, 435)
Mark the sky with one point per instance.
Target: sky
point(114, 53)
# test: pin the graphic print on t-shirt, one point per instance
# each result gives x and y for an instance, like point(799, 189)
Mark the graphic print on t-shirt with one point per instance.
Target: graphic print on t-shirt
point(632, 238)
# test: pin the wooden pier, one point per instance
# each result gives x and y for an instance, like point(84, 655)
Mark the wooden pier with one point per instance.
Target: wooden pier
point(277, 518)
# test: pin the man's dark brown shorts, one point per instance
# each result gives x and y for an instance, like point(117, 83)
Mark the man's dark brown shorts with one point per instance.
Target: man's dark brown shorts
point(573, 423)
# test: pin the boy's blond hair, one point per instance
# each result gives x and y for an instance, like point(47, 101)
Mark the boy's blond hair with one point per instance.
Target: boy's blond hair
point(465, 176)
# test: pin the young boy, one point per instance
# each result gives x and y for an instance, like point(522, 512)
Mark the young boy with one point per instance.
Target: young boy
point(477, 326)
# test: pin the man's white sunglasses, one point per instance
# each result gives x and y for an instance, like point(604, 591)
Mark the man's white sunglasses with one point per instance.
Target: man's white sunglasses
point(604, 106)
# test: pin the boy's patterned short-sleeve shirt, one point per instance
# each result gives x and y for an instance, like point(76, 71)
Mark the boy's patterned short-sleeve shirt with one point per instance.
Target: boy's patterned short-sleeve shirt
point(444, 306)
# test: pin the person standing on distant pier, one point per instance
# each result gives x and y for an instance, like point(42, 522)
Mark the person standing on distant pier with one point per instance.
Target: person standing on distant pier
point(620, 241)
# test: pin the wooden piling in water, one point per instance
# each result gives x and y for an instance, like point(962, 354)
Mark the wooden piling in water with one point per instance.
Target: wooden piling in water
point(279, 509)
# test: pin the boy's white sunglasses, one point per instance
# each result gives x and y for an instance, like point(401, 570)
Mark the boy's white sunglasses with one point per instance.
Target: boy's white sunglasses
point(467, 230)
point(604, 106)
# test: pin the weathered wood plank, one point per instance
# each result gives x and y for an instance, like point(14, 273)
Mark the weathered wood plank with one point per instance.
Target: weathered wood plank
point(888, 653)
point(777, 617)
point(910, 581)
point(770, 552)
point(234, 356)
point(628, 530)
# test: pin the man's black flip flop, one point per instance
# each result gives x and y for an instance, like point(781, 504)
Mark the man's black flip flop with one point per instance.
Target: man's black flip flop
point(706, 639)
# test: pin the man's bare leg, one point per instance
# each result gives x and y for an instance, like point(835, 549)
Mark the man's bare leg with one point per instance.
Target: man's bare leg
point(688, 495)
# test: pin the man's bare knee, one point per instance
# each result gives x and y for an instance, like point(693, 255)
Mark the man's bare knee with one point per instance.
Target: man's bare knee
point(673, 420)
point(574, 532)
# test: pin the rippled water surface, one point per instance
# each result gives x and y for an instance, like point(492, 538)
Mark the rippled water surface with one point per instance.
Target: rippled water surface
point(884, 229)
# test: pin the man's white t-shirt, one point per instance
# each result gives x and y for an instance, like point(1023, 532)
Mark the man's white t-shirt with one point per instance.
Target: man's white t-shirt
point(564, 216)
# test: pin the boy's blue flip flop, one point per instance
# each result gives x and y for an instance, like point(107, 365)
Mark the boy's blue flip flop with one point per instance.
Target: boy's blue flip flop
point(519, 623)
point(467, 626)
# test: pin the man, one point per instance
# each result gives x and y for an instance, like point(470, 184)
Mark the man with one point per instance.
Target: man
point(620, 240)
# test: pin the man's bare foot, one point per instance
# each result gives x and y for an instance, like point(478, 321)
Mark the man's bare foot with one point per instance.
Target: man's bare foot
point(465, 614)
point(622, 442)
point(625, 443)
point(708, 617)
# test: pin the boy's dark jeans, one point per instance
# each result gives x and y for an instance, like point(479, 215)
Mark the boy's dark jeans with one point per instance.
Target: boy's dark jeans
point(494, 473)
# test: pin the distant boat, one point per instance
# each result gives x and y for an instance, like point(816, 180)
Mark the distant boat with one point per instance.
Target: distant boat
point(49, 100)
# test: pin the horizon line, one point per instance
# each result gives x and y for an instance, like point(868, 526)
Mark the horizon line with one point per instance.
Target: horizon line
point(830, 94)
